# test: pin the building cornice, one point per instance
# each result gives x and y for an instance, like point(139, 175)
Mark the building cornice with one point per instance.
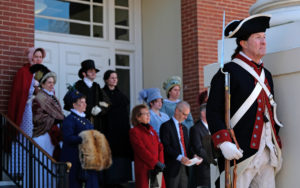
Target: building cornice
point(262, 6)
point(282, 11)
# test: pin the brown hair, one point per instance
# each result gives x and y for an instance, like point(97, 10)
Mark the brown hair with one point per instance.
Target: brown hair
point(136, 112)
point(239, 47)
point(168, 94)
point(202, 98)
point(40, 50)
point(153, 101)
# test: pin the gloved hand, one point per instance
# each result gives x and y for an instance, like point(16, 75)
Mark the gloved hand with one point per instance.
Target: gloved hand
point(96, 110)
point(103, 104)
point(230, 151)
point(36, 83)
point(159, 167)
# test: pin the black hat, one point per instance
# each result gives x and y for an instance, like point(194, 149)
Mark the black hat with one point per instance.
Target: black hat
point(71, 97)
point(41, 72)
point(242, 29)
point(85, 66)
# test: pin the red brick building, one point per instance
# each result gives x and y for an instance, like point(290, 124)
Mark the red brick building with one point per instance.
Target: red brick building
point(16, 34)
point(201, 23)
point(201, 29)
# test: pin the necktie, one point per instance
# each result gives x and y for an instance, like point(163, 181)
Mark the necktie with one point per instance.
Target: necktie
point(182, 139)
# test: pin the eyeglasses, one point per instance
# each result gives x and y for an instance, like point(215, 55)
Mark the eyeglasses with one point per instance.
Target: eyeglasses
point(146, 114)
point(183, 113)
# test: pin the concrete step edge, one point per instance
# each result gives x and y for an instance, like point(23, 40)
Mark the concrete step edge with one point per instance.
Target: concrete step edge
point(6, 183)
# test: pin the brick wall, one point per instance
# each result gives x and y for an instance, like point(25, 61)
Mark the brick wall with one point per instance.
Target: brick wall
point(201, 29)
point(16, 34)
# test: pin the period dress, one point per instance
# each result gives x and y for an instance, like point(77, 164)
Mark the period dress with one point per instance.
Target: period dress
point(116, 130)
point(157, 120)
point(94, 94)
point(47, 113)
point(19, 111)
point(72, 126)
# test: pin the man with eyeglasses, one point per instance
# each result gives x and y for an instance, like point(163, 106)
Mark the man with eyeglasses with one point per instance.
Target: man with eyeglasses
point(174, 137)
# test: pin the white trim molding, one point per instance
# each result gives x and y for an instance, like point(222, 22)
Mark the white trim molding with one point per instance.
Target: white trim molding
point(282, 11)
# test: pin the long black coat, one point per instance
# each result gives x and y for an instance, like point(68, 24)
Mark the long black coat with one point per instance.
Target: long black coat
point(242, 84)
point(93, 96)
point(117, 124)
point(200, 173)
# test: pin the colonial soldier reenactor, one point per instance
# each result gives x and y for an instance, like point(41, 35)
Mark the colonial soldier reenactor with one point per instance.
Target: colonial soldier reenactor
point(252, 107)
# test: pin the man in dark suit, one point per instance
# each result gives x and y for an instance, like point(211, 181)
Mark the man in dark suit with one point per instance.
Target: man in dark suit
point(174, 137)
point(200, 176)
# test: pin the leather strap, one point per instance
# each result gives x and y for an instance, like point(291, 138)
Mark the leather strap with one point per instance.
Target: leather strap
point(248, 102)
point(261, 82)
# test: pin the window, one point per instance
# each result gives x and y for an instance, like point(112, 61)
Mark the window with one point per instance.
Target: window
point(123, 70)
point(78, 17)
point(122, 20)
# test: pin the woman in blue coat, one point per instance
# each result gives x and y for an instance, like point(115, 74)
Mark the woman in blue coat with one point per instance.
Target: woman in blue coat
point(73, 124)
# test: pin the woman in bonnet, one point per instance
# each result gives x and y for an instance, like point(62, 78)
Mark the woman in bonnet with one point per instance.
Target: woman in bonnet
point(172, 86)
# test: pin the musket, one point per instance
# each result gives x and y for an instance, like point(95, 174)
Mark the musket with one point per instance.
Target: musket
point(227, 116)
point(227, 104)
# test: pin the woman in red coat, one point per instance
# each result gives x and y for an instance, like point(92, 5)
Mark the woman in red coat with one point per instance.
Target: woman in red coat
point(148, 150)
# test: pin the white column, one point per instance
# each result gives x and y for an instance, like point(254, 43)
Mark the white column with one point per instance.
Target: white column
point(282, 11)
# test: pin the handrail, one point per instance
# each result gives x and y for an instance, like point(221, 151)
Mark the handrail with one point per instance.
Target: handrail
point(41, 169)
point(28, 137)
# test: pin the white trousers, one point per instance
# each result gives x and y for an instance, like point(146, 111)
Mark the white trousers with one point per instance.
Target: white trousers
point(260, 171)
point(261, 177)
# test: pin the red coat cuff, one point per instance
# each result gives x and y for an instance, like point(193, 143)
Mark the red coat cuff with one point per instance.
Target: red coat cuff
point(220, 137)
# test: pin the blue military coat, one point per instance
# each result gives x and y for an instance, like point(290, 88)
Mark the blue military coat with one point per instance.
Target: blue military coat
point(72, 126)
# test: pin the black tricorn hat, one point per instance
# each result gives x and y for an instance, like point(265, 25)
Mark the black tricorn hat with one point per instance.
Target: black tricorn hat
point(86, 65)
point(242, 29)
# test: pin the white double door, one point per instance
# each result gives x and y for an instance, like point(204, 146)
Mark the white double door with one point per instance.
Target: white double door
point(65, 60)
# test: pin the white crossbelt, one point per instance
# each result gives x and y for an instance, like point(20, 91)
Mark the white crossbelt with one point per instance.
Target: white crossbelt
point(248, 102)
point(251, 99)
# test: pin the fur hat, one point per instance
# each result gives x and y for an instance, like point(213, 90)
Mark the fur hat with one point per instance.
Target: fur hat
point(94, 151)
point(149, 95)
point(71, 97)
point(242, 29)
point(42, 73)
point(171, 82)
point(85, 66)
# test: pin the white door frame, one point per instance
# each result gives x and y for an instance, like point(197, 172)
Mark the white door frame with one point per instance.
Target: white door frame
point(134, 47)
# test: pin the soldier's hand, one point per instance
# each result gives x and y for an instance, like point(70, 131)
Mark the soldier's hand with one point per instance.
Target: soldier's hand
point(230, 151)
